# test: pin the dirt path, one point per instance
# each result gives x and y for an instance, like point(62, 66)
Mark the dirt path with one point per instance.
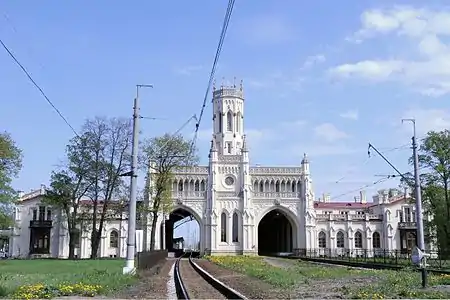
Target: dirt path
point(152, 283)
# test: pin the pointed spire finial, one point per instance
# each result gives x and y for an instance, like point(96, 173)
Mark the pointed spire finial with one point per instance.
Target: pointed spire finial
point(305, 159)
point(242, 85)
point(234, 82)
point(244, 143)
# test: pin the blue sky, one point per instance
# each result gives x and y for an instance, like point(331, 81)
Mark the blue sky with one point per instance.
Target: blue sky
point(320, 77)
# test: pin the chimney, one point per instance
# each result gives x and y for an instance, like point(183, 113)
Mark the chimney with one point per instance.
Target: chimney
point(362, 197)
point(327, 198)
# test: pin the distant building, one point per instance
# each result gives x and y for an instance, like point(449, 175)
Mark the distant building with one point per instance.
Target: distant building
point(178, 243)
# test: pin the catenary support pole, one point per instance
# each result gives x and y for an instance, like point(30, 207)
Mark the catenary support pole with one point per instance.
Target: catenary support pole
point(418, 196)
point(131, 240)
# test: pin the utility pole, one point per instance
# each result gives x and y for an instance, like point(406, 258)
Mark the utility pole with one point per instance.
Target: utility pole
point(131, 239)
point(418, 196)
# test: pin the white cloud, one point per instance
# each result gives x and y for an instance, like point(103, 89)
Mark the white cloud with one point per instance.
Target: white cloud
point(266, 29)
point(351, 115)
point(188, 70)
point(329, 132)
point(427, 120)
point(424, 31)
point(314, 60)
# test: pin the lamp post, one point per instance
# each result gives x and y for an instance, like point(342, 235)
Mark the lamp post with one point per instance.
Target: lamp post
point(131, 241)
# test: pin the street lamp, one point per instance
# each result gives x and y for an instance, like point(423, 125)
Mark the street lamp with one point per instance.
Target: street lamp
point(131, 241)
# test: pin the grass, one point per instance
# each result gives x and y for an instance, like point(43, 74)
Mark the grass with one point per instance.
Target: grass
point(380, 284)
point(72, 277)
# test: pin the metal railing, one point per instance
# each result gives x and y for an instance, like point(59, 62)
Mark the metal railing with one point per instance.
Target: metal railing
point(377, 256)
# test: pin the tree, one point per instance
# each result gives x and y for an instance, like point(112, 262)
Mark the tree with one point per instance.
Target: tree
point(109, 147)
point(69, 185)
point(160, 157)
point(434, 163)
point(10, 165)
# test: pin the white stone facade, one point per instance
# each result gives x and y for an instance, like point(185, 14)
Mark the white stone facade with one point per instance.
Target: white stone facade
point(229, 198)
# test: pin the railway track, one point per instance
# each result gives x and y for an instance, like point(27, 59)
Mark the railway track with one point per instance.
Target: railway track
point(192, 282)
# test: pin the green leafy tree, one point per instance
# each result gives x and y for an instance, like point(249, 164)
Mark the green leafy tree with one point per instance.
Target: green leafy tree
point(160, 158)
point(68, 187)
point(10, 165)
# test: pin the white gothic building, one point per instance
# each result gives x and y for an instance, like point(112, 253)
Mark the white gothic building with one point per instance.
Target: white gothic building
point(241, 209)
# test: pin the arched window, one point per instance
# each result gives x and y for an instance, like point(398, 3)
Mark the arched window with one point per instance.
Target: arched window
point(180, 186)
point(229, 121)
point(114, 239)
point(376, 240)
point(220, 122)
point(340, 242)
point(238, 122)
point(197, 186)
point(277, 187)
point(235, 228)
point(293, 187)
point(358, 240)
point(261, 186)
point(322, 240)
point(223, 227)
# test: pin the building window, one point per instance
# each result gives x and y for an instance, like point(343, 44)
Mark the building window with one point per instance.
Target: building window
point(238, 120)
point(41, 213)
point(180, 186)
point(114, 239)
point(235, 228)
point(229, 121)
point(376, 240)
point(322, 240)
point(197, 186)
point(34, 214)
point(229, 148)
point(340, 242)
point(261, 187)
point(49, 214)
point(223, 227)
point(277, 187)
point(293, 187)
point(358, 240)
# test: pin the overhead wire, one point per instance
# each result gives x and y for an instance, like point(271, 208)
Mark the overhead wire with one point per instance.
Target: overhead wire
point(213, 70)
point(37, 86)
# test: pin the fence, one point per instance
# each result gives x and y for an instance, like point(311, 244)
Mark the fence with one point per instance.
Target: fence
point(375, 256)
point(149, 259)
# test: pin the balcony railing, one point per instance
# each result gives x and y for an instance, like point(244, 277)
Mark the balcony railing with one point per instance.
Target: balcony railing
point(407, 225)
point(274, 195)
point(349, 217)
point(41, 224)
point(189, 194)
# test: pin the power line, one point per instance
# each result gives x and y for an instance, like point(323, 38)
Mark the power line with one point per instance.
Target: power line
point(213, 69)
point(37, 86)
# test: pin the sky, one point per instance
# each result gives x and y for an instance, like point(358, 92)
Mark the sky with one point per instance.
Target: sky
point(320, 77)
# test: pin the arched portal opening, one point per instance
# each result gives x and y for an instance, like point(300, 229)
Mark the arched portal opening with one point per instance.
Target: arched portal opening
point(182, 232)
point(276, 233)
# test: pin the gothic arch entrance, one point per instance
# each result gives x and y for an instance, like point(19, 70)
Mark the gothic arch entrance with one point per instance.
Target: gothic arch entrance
point(183, 231)
point(276, 233)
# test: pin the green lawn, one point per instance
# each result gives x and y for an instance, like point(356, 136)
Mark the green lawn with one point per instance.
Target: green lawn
point(50, 278)
point(373, 284)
